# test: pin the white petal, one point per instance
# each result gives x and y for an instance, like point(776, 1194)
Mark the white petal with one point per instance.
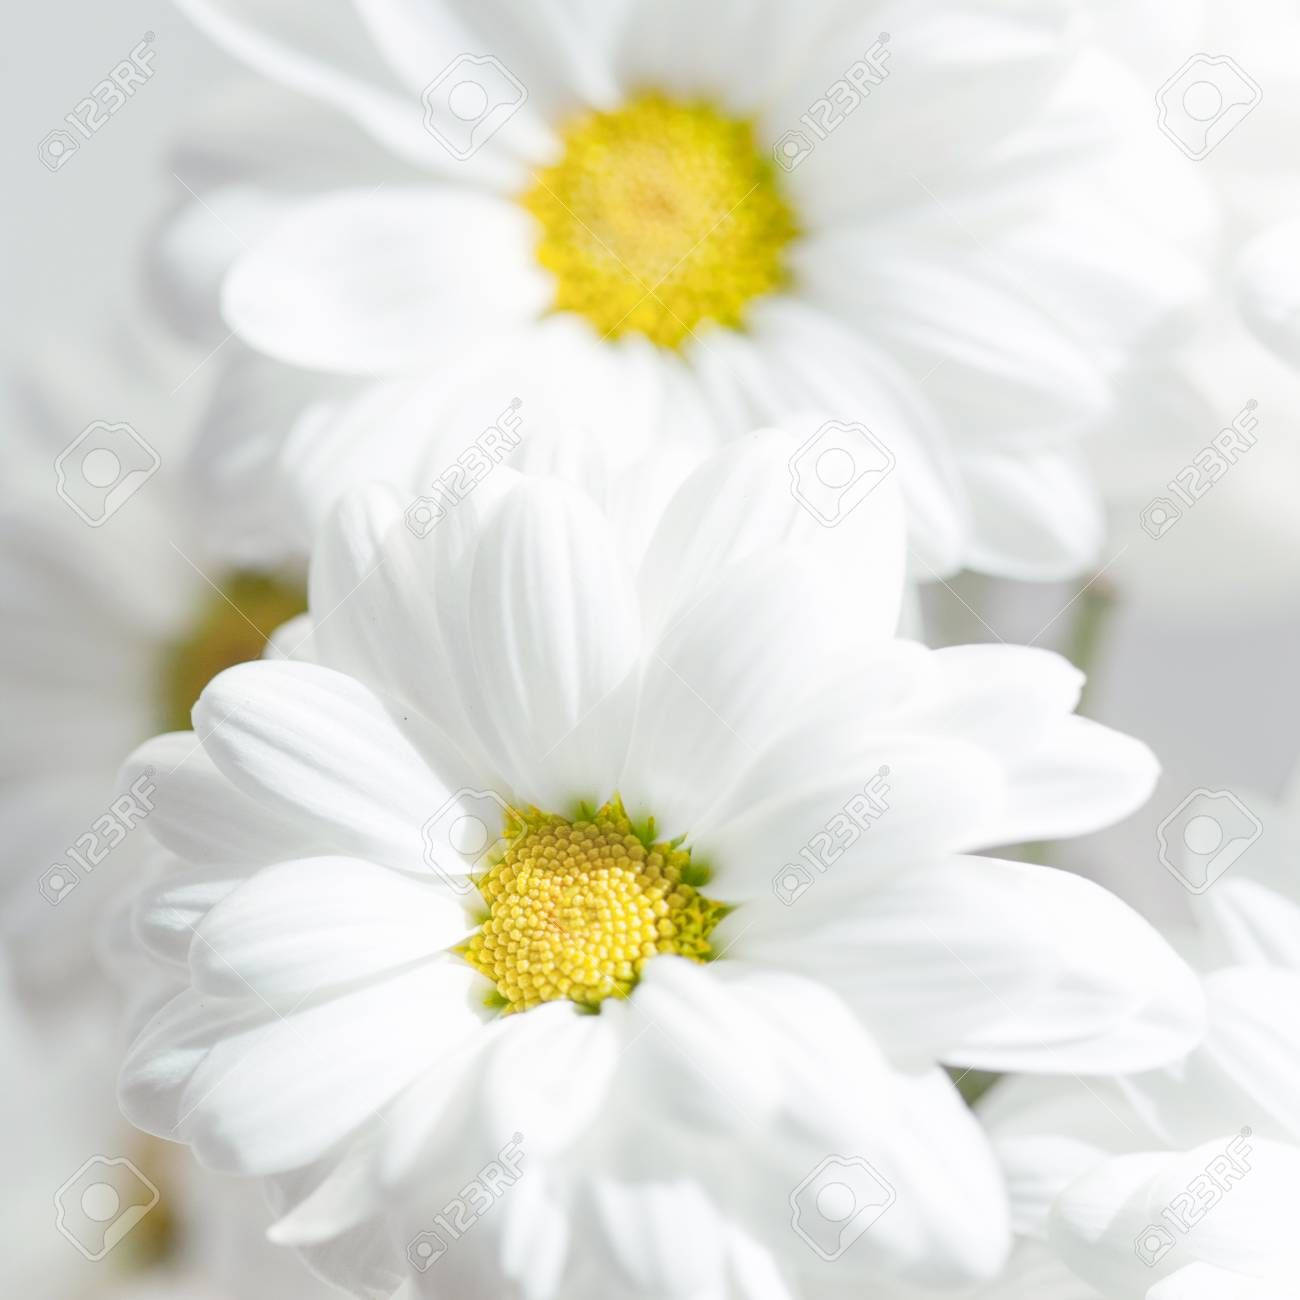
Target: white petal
point(729, 675)
point(1118, 995)
point(829, 376)
point(518, 1251)
point(712, 1028)
point(1082, 777)
point(1003, 697)
point(255, 1093)
point(545, 1076)
point(739, 502)
point(711, 1050)
point(1247, 1070)
point(932, 115)
point(657, 1237)
point(316, 924)
point(1253, 923)
point(1238, 1219)
point(554, 635)
point(341, 77)
point(162, 1061)
point(1252, 915)
point(1037, 1170)
point(1269, 290)
point(999, 370)
point(318, 747)
point(364, 282)
point(168, 909)
point(200, 815)
point(845, 812)
point(1035, 515)
point(560, 51)
point(377, 590)
point(673, 45)
point(322, 1201)
point(926, 956)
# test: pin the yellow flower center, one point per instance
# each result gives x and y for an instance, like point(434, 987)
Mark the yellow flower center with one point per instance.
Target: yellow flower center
point(576, 908)
point(233, 626)
point(661, 215)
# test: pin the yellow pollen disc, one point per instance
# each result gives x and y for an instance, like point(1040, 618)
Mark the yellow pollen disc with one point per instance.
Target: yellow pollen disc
point(661, 215)
point(576, 908)
point(231, 627)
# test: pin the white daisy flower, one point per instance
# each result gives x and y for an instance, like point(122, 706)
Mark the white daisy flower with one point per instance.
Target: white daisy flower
point(719, 926)
point(1200, 527)
point(111, 632)
point(707, 220)
point(1177, 1181)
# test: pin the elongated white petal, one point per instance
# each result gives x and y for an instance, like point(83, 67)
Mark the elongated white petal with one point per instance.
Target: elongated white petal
point(740, 502)
point(380, 282)
point(1110, 1004)
point(167, 911)
point(378, 588)
point(846, 813)
point(318, 924)
point(1004, 697)
point(1082, 777)
point(339, 75)
point(553, 640)
point(255, 1092)
point(202, 816)
point(568, 1059)
point(731, 672)
point(317, 747)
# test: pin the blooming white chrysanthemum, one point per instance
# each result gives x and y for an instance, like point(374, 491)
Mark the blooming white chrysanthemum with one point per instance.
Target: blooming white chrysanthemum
point(1178, 1181)
point(718, 926)
point(662, 217)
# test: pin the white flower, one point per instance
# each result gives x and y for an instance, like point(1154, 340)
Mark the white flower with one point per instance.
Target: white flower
point(372, 1017)
point(1120, 1226)
point(658, 237)
point(1195, 534)
point(1178, 1182)
point(110, 633)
